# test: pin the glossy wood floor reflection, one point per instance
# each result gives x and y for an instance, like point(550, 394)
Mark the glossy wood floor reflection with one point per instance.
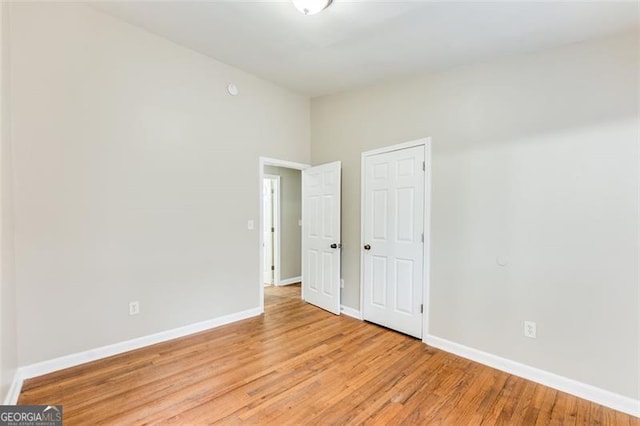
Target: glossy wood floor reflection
point(300, 365)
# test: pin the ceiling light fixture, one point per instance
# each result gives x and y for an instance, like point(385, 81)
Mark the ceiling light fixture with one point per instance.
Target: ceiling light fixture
point(311, 7)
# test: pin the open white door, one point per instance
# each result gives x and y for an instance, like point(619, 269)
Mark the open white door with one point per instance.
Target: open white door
point(321, 236)
point(268, 231)
point(270, 228)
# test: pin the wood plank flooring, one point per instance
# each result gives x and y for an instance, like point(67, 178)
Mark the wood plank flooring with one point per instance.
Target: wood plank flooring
point(300, 365)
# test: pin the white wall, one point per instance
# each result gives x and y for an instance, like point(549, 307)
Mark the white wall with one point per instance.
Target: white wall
point(535, 158)
point(135, 175)
point(8, 338)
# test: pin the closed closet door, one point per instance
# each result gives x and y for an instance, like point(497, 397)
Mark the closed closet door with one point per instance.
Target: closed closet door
point(393, 246)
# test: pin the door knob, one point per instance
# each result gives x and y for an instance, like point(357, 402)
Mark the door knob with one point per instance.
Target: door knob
point(367, 247)
point(334, 245)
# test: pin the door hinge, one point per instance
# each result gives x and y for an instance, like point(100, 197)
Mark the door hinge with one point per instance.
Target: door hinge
point(273, 229)
point(423, 166)
point(273, 268)
point(423, 237)
point(421, 308)
point(273, 191)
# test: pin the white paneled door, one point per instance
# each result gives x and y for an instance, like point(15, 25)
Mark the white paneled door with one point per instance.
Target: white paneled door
point(321, 236)
point(268, 229)
point(393, 246)
point(271, 207)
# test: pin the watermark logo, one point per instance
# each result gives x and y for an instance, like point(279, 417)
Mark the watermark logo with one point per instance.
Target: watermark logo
point(30, 415)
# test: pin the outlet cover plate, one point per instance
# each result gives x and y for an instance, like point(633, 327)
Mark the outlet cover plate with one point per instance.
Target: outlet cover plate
point(134, 308)
point(530, 329)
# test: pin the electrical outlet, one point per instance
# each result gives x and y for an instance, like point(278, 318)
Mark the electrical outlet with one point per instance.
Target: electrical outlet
point(530, 329)
point(134, 308)
point(341, 282)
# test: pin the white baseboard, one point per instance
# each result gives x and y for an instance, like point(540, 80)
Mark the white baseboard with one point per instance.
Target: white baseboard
point(290, 281)
point(45, 367)
point(14, 390)
point(582, 390)
point(350, 312)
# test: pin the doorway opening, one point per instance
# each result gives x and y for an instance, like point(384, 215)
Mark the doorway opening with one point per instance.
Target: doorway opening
point(280, 223)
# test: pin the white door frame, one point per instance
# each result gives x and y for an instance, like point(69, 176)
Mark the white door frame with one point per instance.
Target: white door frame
point(266, 161)
point(426, 142)
point(275, 200)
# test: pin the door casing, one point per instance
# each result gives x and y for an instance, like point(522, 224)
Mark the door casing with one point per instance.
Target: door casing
point(426, 142)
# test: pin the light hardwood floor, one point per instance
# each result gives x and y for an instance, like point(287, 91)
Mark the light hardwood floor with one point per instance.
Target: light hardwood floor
point(300, 365)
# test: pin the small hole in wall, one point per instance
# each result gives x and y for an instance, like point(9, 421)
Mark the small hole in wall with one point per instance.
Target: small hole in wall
point(232, 89)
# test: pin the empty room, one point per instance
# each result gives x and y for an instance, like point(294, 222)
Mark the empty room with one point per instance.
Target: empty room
point(320, 212)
